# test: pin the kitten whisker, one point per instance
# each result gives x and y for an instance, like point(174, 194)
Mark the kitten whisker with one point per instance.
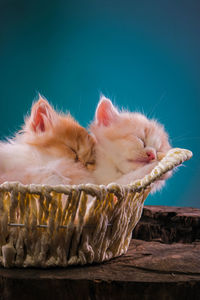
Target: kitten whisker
point(161, 99)
point(180, 136)
point(188, 138)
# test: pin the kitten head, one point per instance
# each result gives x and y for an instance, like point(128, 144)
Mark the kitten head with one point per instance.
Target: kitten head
point(129, 139)
point(58, 135)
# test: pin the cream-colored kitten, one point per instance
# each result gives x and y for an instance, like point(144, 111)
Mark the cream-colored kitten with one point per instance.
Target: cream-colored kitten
point(128, 145)
point(52, 148)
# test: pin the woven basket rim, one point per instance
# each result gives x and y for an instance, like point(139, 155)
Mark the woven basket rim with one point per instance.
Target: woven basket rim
point(173, 158)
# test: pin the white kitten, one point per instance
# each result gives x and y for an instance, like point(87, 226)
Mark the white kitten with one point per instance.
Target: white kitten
point(128, 145)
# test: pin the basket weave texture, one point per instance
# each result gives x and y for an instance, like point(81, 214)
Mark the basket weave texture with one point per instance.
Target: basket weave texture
point(48, 226)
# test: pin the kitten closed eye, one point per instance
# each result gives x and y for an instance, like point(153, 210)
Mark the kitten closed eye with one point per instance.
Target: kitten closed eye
point(76, 158)
point(142, 141)
point(90, 165)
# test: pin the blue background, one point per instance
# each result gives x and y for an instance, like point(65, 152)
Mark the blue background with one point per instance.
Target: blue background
point(144, 55)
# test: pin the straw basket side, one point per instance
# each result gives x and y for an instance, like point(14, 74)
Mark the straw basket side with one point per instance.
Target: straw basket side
point(47, 226)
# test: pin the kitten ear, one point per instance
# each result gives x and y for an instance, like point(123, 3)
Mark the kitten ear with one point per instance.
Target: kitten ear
point(106, 113)
point(42, 116)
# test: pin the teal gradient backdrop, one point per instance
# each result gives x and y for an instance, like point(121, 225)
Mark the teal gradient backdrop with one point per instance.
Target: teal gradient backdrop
point(144, 55)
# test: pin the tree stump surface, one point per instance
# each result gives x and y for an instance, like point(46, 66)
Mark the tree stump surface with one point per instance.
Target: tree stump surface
point(169, 224)
point(149, 270)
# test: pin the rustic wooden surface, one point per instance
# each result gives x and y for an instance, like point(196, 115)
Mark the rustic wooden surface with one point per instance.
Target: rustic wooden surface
point(149, 270)
point(169, 224)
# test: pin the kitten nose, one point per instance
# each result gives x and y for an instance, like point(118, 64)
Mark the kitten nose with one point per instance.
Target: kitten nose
point(151, 154)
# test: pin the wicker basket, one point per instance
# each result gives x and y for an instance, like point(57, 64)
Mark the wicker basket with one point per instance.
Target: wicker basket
point(48, 226)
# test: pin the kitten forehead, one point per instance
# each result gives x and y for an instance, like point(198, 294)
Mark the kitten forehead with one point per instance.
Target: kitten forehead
point(127, 123)
point(133, 126)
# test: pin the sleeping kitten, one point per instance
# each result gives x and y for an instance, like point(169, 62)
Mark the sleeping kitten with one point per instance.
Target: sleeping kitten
point(52, 148)
point(128, 145)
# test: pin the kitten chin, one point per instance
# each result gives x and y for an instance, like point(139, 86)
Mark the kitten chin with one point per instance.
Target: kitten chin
point(51, 147)
point(128, 145)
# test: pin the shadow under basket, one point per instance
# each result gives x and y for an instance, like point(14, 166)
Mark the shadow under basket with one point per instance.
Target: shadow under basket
point(48, 226)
